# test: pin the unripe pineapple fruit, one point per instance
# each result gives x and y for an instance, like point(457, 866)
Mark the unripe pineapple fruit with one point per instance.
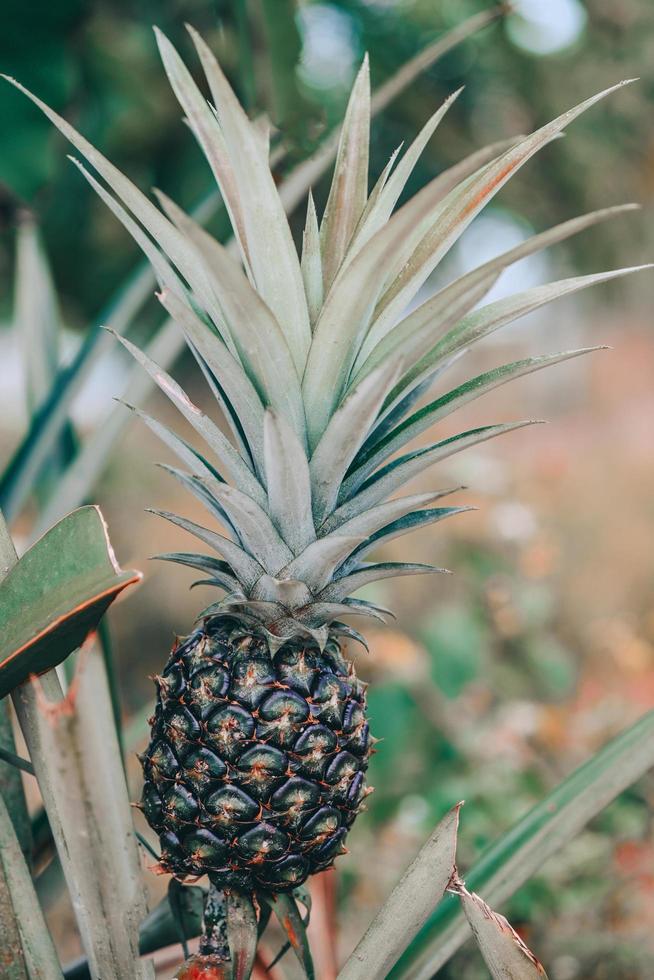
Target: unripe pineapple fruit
point(255, 770)
point(256, 767)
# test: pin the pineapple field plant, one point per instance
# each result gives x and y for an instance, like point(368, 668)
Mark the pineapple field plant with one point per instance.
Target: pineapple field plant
point(256, 766)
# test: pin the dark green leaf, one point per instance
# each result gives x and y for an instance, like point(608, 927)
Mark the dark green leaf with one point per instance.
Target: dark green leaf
point(56, 595)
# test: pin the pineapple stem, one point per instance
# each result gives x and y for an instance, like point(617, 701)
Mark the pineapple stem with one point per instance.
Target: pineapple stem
point(214, 938)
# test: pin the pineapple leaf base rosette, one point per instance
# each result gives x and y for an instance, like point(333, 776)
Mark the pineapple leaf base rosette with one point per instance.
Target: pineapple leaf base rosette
point(256, 767)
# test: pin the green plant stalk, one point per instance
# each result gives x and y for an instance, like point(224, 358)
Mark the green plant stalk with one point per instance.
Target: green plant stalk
point(11, 784)
point(27, 948)
point(75, 756)
point(521, 852)
point(25, 936)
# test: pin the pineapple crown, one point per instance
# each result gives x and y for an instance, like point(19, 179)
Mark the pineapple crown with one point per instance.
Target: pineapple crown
point(315, 363)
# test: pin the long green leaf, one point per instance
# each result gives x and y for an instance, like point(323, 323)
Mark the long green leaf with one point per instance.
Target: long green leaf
point(341, 588)
point(202, 424)
point(412, 900)
point(311, 263)
point(380, 212)
point(75, 753)
point(349, 187)
point(224, 366)
point(27, 948)
point(399, 471)
point(465, 202)
point(374, 454)
point(56, 595)
point(288, 483)
point(275, 264)
point(523, 851)
point(244, 566)
point(317, 563)
point(480, 323)
point(344, 434)
point(505, 954)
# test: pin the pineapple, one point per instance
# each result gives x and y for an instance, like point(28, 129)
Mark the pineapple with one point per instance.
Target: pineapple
point(256, 767)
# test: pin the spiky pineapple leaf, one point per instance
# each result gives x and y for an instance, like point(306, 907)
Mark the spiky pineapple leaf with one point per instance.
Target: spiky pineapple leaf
point(255, 528)
point(318, 562)
point(505, 954)
point(470, 280)
point(484, 321)
point(311, 262)
point(359, 495)
point(203, 425)
point(378, 516)
point(187, 454)
point(374, 453)
point(458, 209)
point(346, 585)
point(417, 334)
point(274, 261)
point(392, 185)
point(244, 566)
point(349, 187)
point(410, 903)
point(522, 851)
point(344, 434)
point(404, 525)
point(56, 595)
point(238, 388)
point(288, 483)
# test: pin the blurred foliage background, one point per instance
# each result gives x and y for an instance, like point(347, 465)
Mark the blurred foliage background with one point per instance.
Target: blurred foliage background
point(497, 682)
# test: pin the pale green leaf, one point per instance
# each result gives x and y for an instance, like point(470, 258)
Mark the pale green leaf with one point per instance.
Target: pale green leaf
point(375, 453)
point(349, 187)
point(257, 532)
point(275, 264)
point(505, 954)
point(209, 135)
point(311, 263)
point(398, 472)
point(419, 890)
point(465, 202)
point(484, 321)
point(371, 520)
point(347, 584)
point(202, 424)
point(36, 313)
point(243, 565)
point(288, 483)
point(344, 435)
point(228, 372)
point(380, 212)
point(417, 334)
point(317, 563)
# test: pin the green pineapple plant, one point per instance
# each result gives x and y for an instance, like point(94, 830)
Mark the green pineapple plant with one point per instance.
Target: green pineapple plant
point(256, 766)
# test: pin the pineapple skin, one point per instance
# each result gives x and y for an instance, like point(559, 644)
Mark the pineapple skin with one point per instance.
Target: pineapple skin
point(256, 766)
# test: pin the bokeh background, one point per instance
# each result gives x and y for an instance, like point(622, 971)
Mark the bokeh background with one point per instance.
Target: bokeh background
point(497, 681)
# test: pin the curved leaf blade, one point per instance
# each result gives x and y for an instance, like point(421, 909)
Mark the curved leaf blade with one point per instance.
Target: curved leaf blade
point(522, 851)
point(56, 595)
point(412, 900)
